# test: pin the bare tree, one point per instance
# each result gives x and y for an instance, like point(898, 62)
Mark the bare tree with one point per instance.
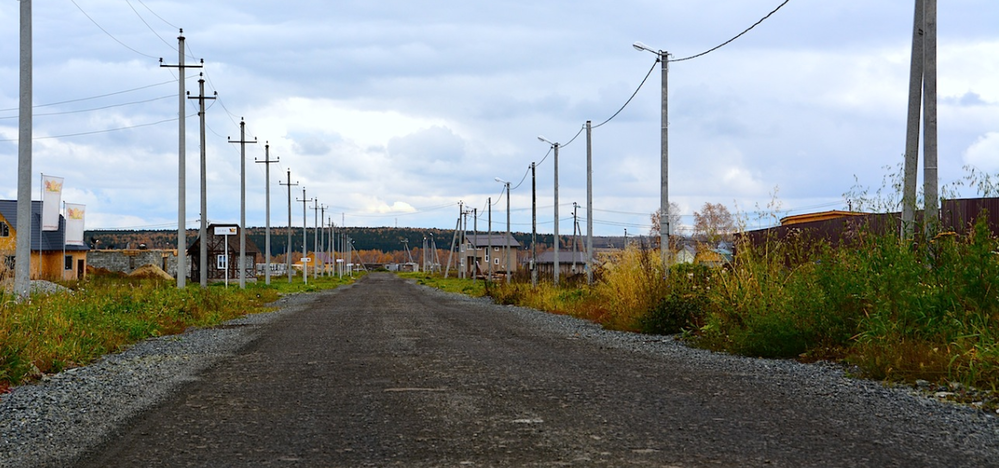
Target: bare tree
point(714, 223)
point(674, 222)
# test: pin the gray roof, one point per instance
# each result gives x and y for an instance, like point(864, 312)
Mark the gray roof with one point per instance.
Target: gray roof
point(50, 240)
point(496, 240)
point(564, 256)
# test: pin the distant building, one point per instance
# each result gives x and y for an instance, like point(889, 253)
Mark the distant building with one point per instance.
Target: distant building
point(482, 250)
point(48, 261)
point(223, 254)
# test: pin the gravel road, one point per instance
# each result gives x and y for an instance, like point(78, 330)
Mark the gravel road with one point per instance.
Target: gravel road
point(388, 373)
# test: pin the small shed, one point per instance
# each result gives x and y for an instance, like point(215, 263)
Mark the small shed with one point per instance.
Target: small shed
point(223, 254)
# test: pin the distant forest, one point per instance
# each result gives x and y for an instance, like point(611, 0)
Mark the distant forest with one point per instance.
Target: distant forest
point(383, 239)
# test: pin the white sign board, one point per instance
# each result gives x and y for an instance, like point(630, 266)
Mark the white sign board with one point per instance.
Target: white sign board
point(225, 230)
point(306, 259)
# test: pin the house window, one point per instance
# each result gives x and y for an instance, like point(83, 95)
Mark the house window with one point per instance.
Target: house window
point(496, 261)
point(68, 260)
point(4, 229)
point(222, 262)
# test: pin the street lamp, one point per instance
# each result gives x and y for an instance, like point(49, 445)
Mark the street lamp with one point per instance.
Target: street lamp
point(555, 147)
point(664, 226)
point(507, 184)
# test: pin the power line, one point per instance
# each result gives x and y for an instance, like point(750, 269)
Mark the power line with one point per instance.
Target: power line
point(78, 111)
point(148, 26)
point(109, 34)
point(158, 16)
point(36, 106)
point(94, 132)
point(723, 44)
point(632, 96)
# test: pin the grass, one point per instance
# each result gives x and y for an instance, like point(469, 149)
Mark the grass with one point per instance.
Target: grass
point(50, 333)
point(897, 310)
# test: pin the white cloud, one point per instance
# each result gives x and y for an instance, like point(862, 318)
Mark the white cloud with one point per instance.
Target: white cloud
point(984, 153)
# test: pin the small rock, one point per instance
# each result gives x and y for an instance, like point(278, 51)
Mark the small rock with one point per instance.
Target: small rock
point(943, 394)
point(922, 383)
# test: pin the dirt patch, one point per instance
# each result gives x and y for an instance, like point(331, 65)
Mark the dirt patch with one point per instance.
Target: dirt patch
point(150, 271)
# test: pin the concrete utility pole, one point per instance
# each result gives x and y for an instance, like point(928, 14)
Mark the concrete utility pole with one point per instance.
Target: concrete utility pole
point(287, 248)
point(267, 210)
point(489, 237)
point(305, 236)
point(182, 161)
point(555, 146)
point(508, 263)
point(242, 201)
point(664, 227)
point(912, 123)
point(575, 225)
point(931, 204)
point(22, 247)
point(203, 231)
point(534, 227)
point(315, 236)
point(589, 202)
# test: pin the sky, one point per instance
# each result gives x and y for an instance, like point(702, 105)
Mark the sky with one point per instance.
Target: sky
point(391, 113)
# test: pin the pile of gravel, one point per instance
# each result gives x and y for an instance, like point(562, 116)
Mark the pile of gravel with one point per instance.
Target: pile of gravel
point(54, 421)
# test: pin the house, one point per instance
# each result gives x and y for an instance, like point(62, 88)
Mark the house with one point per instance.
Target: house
point(223, 255)
point(569, 263)
point(127, 260)
point(48, 261)
point(480, 251)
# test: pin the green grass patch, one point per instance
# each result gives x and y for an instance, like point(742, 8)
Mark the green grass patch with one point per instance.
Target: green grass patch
point(50, 333)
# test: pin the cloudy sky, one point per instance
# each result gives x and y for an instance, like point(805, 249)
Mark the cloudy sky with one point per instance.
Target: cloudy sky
point(392, 112)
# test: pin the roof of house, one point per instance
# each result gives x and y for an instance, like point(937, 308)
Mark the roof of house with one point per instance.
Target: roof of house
point(496, 240)
point(50, 240)
point(564, 257)
point(233, 241)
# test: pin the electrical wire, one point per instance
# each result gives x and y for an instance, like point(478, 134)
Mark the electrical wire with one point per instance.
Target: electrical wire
point(647, 75)
point(36, 106)
point(723, 44)
point(109, 34)
point(77, 111)
point(172, 47)
point(94, 132)
point(156, 15)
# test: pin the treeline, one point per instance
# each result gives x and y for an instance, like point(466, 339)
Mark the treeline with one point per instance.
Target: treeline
point(383, 239)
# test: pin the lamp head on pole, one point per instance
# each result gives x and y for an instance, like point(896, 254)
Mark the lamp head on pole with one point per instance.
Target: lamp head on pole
point(545, 140)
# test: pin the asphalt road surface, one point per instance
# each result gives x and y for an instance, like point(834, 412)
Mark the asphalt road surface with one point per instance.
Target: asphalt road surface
point(387, 373)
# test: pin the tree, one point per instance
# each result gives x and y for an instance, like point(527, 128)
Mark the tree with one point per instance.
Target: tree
point(674, 221)
point(714, 223)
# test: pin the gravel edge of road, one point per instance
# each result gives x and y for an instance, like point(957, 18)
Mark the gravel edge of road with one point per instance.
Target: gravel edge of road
point(53, 422)
point(56, 420)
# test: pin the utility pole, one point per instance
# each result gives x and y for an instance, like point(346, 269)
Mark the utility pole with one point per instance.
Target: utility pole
point(315, 236)
point(589, 203)
point(182, 162)
point(242, 201)
point(287, 248)
point(489, 237)
point(508, 238)
point(322, 237)
point(22, 248)
point(475, 235)
point(305, 237)
point(203, 231)
point(557, 241)
point(534, 227)
point(931, 204)
point(267, 230)
point(575, 226)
